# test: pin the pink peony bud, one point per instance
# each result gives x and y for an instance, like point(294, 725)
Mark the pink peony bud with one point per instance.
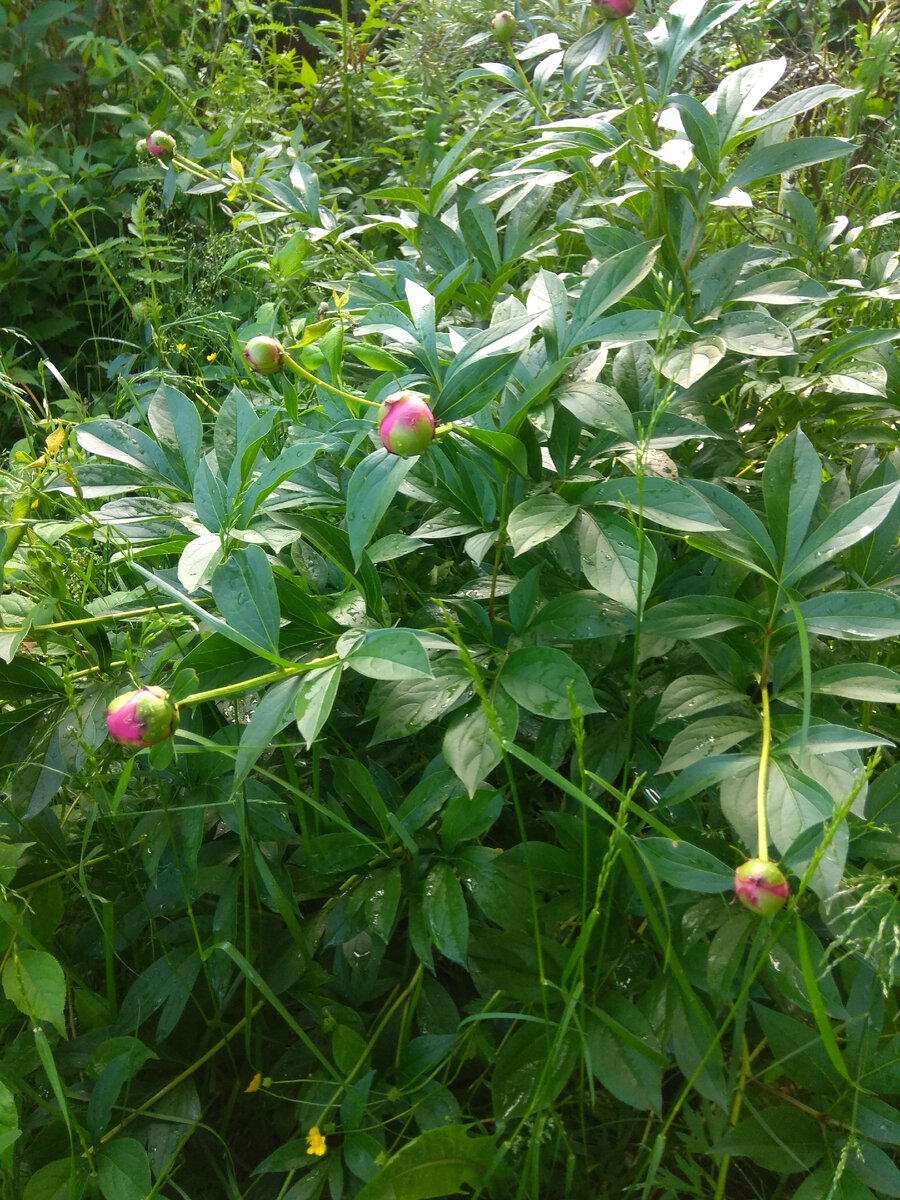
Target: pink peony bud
point(406, 424)
point(141, 718)
point(761, 887)
point(264, 354)
point(160, 144)
point(503, 26)
point(614, 10)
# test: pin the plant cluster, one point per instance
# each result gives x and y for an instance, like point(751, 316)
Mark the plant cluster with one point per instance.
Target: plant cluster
point(448, 668)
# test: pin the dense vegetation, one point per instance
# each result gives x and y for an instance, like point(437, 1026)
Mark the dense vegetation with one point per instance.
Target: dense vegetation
point(432, 890)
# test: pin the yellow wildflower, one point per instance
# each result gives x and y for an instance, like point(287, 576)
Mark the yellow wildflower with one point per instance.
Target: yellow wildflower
point(180, 345)
point(253, 1085)
point(315, 1142)
point(212, 357)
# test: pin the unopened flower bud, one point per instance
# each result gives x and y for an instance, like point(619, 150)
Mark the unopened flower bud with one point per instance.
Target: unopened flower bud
point(141, 718)
point(160, 144)
point(140, 146)
point(503, 26)
point(142, 311)
point(761, 887)
point(614, 10)
point(406, 424)
point(264, 354)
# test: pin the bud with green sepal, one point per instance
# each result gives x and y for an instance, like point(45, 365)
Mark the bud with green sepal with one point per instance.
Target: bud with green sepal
point(406, 424)
point(141, 718)
point(160, 144)
point(264, 354)
point(761, 887)
point(503, 26)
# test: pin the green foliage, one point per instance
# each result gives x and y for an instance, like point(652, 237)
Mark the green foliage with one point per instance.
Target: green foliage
point(431, 891)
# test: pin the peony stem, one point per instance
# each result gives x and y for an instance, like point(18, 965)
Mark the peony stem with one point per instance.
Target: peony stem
point(329, 387)
point(247, 685)
point(762, 833)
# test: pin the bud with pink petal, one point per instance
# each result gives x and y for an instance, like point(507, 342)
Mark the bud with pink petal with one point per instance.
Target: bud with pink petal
point(406, 424)
point(614, 10)
point(503, 26)
point(265, 355)
point(160, 144)
point(761, 887)
point(141, 718)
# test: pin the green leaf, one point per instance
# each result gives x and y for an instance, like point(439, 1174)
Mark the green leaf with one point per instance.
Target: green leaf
point(826, 1033)
point(791, 481)
point(501, 446)
point(53, 1182)
point(726, 956)
point(861, 616)
point(274, 711)
point(406, 706)
point(599, 406)
point(859, 681)
point(740, 92)
point(749, 331)
point(466, 818)
point(542, 679)
point(470, 745)
point(176, 423)
point(713, 735)
point(9, 1119)
point(123, 443)
point(445, 912)
point(700, 127)
point(693, 1040)
point(610, 554)
point(372, 487)
point(389, 654)
point(123, 1170)
point(591, 50)
point(34, 981)
point(875, 1168)
point(822, 1182)
point(662, 501)
point(613, 279)
point(743, 537)
point(848, 524)
point(764, 161)
point(691, 617)
point(781, 1139)
point(799, 102)
point(693, 694)
point(537, 520)
point(622, 1051)
point(436, 1164)
point(686, 866)
point(532, 1068)
point(244, 591)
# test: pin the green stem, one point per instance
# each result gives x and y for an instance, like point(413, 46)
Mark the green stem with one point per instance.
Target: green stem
point(762, 835)
point(195, 1066)
point(637, 71)
point(532, 94)
point(329, 387)
point(246, 685)
point(98, 620)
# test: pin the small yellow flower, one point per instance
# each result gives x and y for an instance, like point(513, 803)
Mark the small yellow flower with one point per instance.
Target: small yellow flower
point(315, 1142)
point(180, 345)
point(253, 1085)
point(212, 357)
